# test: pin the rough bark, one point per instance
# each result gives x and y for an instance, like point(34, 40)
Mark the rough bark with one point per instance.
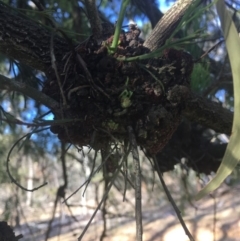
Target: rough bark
point(166, 25)
point(29, 42)
point(208, 113)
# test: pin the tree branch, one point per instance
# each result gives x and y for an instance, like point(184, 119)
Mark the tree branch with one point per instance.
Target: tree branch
point(27, 41)
point(94, 19)
point(167, 24)
point(209, 114)
point(11, 85)
point(149, 8)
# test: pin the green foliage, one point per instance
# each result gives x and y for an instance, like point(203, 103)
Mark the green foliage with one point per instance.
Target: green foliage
point(200, 78)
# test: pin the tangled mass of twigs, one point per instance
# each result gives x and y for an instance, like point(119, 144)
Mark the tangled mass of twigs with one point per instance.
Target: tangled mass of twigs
point(105, 93)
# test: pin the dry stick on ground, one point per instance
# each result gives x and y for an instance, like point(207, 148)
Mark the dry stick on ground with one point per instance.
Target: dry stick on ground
point(138, 194)
point(172, 201)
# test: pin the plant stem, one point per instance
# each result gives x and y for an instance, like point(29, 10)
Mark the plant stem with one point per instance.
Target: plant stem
point(119, 25)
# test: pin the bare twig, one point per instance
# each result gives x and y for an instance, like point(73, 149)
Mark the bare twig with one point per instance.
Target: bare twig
point(91, 173)
point(8, 161)
point(127, 178)
point(54, 66)
point(63, 161)
point(125, 175)
point(38, 124)
point(119, 189)
point(51, 220)
point(214, 216)
point(177, 211)
point(89, 76)
point(209, 50)
point(106, 179)
point(53, 216)
point(138, 194)
point(61, 189)
point(105, 195)
point(89, 178)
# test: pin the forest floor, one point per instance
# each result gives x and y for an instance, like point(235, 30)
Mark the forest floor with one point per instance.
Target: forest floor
point(159, 223)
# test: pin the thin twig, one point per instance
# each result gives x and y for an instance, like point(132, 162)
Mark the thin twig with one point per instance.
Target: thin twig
point(8, 161)
point(169, 196)
point(91, 173)
point(89, 76)
point(127, 178)
point(53, 216)
point(152, 165)
point(104, 196)
point(214, 216)
point(89, 178)
point(119, 189)
point(138, 194)
point(54, 66)
point(38, 124)
point(106, 179)
point(208, 51)
point(125, 175)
